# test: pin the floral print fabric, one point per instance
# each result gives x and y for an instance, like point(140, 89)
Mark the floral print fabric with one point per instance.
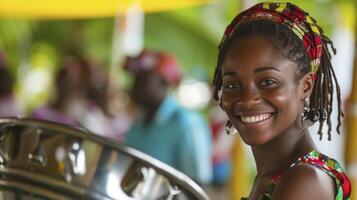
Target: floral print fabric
point(324, 163)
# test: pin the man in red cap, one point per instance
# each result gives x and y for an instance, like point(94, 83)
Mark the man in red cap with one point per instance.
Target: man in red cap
point(165, 130)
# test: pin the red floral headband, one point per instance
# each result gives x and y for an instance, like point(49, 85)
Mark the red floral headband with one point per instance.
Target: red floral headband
point(291, 16)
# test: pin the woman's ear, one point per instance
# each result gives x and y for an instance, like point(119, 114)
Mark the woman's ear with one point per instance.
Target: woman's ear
point(307, 85)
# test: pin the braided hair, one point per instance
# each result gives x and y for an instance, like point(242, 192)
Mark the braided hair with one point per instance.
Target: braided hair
point(292, 47)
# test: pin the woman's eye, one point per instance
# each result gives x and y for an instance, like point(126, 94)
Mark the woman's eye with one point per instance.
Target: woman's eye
point(268, 82)
point(232, 85)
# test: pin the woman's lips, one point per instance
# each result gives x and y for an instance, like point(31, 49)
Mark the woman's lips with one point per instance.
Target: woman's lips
point(256, 118)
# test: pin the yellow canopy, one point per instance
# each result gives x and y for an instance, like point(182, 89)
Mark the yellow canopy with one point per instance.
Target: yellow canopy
point(55, 9)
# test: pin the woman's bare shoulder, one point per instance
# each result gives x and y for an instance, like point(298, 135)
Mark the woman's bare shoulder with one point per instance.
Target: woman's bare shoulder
point(304, 181)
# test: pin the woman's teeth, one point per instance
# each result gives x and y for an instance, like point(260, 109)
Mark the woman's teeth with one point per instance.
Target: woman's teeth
point(255, 119)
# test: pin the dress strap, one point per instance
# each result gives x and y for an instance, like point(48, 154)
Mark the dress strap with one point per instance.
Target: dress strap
point(322, 162)
point(332, 168)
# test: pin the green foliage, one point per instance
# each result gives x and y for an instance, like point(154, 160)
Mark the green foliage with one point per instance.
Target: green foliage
point(15, 39)
point(191, 34)
point(193, 48)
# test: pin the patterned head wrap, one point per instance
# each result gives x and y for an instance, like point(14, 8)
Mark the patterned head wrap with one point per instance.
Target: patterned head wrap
point(297, 20)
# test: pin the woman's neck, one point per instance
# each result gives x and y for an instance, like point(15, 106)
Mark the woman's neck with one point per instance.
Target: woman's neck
point(278, 154)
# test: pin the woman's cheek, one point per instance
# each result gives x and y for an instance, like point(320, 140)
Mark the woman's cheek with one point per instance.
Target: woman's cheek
point(226, 101)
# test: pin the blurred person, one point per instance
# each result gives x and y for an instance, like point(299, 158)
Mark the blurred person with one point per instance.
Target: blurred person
point(274, 78)
point(71, 105)
point(9, 107)
point(58, 110)
point(117, 113)
point(164, 129)
point(98, 84)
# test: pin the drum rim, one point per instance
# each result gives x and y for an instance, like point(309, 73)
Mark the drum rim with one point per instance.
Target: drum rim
point(10, 185)
point(183, 180)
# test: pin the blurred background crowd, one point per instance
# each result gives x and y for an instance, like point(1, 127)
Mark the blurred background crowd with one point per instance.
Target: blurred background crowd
point(140, 72)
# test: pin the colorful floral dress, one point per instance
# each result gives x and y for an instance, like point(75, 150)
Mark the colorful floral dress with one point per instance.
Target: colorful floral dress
point(324, 163)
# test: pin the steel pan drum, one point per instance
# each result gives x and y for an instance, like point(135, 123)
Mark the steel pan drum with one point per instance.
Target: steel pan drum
point(45, 160)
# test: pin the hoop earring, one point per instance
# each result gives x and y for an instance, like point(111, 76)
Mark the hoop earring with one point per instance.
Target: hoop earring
point(306, 114)
point(230, 130)
point(306, 107)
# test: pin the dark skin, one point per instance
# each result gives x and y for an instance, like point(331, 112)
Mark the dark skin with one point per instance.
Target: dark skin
point(264, 102)
point(149, 90)
point(71, 85)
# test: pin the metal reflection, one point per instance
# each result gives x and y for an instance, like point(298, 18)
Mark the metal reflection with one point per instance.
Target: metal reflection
point(43, 160)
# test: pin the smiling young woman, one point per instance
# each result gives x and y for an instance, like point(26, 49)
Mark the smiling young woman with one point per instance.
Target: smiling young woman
point(273, 78)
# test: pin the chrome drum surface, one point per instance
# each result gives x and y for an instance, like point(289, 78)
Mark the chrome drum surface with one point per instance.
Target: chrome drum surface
point(45, 160)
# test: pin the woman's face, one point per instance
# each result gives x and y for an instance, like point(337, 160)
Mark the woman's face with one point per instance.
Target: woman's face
point(259, 90)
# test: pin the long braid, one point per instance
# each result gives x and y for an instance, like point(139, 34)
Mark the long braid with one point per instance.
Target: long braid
point(217, 79)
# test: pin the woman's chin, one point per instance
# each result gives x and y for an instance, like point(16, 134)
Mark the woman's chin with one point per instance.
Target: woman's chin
point(255, 141)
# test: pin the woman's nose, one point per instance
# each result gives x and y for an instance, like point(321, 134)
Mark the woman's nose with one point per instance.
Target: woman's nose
point(249, 97)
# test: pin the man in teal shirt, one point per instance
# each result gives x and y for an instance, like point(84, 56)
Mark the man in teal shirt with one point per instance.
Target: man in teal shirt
point(165, 130)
